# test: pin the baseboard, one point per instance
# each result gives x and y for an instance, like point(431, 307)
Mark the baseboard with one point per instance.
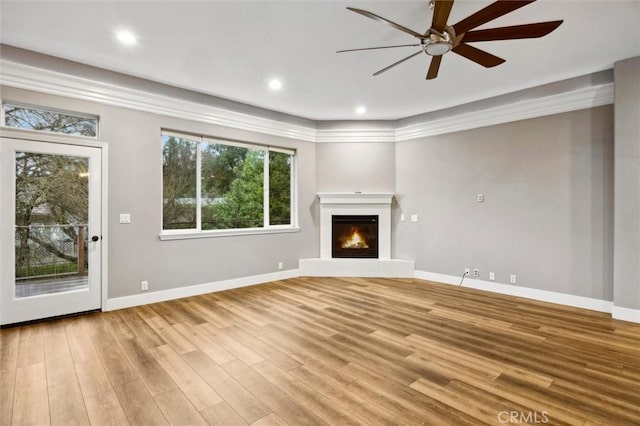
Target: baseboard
point(194, 290)
point(528, 293)
point(626, 314)
point(618, 313)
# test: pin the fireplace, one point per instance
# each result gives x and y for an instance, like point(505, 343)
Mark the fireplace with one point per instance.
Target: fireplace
point(354, 236)
point(370, 214)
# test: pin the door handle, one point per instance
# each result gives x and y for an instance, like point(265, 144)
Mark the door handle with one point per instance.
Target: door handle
point(95, 238)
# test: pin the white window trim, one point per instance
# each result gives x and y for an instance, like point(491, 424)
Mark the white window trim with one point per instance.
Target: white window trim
point(181, 234)
point(197, 232)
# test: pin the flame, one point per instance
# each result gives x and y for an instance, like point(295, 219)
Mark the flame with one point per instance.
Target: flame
point(355, 240)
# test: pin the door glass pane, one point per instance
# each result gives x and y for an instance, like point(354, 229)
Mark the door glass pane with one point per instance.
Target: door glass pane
point(51, 238)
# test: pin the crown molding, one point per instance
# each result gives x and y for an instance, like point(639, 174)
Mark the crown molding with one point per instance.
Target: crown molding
point(588, 97)
point(355, 135)
point(55, 83)
point(33, 78)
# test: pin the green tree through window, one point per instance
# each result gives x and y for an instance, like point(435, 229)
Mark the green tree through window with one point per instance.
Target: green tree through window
point(232, 183)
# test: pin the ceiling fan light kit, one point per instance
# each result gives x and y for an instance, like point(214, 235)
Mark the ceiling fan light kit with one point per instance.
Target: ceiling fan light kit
point(437, 44)
point(441, 38)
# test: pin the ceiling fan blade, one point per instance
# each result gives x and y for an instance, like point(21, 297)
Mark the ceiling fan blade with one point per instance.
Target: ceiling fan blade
point(478, 56)
point(514, 32)
point(489, 13)
point(397, 63)
point(434, 67)
point(441, 13)
point(381, 47)
point(386, 21)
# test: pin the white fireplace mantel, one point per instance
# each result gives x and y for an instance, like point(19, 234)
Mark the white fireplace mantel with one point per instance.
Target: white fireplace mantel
point(360, 204)
point(355, 198)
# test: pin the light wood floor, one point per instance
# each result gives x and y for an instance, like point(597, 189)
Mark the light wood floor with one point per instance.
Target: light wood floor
point(325, 351)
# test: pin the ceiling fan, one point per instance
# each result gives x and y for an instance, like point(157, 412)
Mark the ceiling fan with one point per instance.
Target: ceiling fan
point(442, 38)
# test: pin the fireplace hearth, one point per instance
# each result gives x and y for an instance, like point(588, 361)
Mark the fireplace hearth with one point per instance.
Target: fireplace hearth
point(354, 236)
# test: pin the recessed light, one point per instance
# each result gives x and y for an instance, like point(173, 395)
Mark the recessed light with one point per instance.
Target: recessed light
point(360, 110)
point(275, 84)
point(126, 37)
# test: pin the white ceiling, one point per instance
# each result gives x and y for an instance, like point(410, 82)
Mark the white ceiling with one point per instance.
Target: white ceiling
point(232, 48)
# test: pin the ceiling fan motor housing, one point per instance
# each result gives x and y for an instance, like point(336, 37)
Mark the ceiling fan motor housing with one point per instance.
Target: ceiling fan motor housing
point(437, 44)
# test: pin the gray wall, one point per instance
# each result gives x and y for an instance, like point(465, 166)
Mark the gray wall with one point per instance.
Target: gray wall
point(135, 252)
point(627, 184)
point(548, 210)
point(350, 167)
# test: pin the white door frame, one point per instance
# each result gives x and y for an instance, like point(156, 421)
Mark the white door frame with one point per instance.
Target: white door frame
point(34, 136)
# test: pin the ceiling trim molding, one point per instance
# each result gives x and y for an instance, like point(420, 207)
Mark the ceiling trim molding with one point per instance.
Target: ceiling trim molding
point(587, 97)
point(355, 135)
point(55, 83)
point(33, 78)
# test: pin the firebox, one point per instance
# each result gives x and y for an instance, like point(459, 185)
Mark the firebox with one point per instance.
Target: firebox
point(354, 236)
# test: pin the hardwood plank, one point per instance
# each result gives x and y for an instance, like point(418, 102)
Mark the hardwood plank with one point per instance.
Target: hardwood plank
point(103, 406)
point(58, 360)
point(311, 399)
point(113, 358)
point(204, 343)
point(66, 405)
point(138, 405)
point(193, 386)
point(222, 414)
point(238, 397)
point(271, 420)
point(178, 410)
point(30, 346)
point(31, 400)
point(165, 330)
point(271, 396)
point(242, 352)
point(105, 410)
point(9, 339)
point(147, 367)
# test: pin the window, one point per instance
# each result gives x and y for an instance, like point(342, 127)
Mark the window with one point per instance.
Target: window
point(215, 185)
point(45, 120)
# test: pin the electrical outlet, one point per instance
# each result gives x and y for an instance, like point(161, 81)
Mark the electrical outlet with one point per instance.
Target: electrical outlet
point(513, 279)
point(467, 271)
point(492, 276)
point(125, 218)
point(144, 285)
point(414, 218)
point(481, 198)
point(476, 273)
point(402, 217)
point(280, 265)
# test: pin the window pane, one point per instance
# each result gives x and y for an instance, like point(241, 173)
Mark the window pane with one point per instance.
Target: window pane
point(178, 183)
point(279, 188)
point(232, 187)
point(50, 121)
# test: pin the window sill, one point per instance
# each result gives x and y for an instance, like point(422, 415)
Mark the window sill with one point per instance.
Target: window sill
point(187, 235)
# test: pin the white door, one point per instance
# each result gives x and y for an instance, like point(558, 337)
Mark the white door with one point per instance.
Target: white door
point(50, 229)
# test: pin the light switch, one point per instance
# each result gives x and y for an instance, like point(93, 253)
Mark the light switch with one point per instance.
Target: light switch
point(125, 218)
point(402, 217)
point(414, 218)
